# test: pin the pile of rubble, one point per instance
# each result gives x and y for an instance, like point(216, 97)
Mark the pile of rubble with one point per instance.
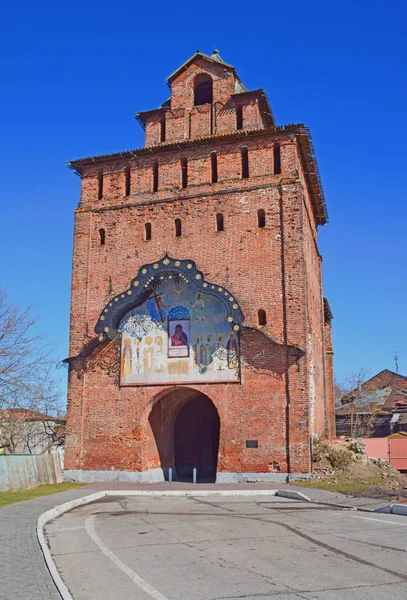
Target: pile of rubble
point(339, 457)
point(329, 458)
point(346, 460)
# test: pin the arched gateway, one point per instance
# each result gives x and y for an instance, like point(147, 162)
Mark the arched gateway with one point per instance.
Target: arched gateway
point(182, 433)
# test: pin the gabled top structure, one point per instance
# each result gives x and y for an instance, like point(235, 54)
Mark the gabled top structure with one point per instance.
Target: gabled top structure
point(207, 98)
point(214, 57)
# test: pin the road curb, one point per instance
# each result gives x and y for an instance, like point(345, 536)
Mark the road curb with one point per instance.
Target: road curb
point(293, 495)
point(57, 511)
point(393, 509)
point(50, 515)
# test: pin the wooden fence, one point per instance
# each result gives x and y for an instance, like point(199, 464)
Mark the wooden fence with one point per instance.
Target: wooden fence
point(23, 471)
point(394, 450)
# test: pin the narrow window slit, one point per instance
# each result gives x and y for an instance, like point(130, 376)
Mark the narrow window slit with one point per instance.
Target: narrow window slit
point(162, 129)
point(214, 167)
point(155, 176)
point(277, 159)
point(239, 117)
point(219, 222)
point(177, 227)
point(245, 162)
point(261, 218)
point(102, 236)
point(184, 172)
point(127, 181)
point(147, 231)
point(100, 185)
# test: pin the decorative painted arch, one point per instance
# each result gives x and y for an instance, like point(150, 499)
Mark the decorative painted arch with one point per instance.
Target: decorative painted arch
point(148, 281)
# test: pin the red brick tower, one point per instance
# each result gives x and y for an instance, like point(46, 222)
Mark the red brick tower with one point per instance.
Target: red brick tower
point(199, 332)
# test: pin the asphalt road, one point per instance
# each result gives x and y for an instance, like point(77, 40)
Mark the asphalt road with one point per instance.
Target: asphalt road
point(228, 548)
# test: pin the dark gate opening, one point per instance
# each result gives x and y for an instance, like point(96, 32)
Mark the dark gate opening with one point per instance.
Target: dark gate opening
point(196, 440)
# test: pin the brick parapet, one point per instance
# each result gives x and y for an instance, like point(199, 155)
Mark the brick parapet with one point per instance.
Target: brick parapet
point(261, 172)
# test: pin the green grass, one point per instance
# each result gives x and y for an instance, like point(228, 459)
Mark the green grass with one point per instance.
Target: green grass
point(42, 490)
point(344, 485)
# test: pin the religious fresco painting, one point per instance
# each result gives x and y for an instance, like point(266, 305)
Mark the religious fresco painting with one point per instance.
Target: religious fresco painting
point(178, 335)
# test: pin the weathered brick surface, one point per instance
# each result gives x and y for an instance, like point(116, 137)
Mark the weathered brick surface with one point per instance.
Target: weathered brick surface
point(286, 389)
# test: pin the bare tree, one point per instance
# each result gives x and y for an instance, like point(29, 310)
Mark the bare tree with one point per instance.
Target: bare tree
point(350, 392)
point(351, 384)
point(26, 383)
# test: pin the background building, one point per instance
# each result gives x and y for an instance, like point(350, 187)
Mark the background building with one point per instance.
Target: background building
point(199, 332)
point(377, 407)
point(24, 431)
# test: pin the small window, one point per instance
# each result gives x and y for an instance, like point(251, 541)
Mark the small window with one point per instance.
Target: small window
point(277, 159)
point(239, 117)
point(127, 181)
point(261, 218)
point(219, 222)
point(214, 167)
point(162, 129)
point(155, 176)
point(177, 227)
point(147, 231)
point(203, 90)
point(261, 316)
point(245, 162)
point(102, 236)
point(100, 185)
point(184, 172)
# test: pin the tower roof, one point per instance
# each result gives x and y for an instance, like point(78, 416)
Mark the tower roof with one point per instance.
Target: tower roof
point(214, 57)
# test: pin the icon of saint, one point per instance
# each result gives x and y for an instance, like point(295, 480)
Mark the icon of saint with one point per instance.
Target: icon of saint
point(232, 351)
point(148, 354)
point(159, 354)
point(127, 357)
point(179, 337)
point(198, 307)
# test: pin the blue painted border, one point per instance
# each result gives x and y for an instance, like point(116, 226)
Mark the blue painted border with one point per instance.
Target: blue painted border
point(148, 280)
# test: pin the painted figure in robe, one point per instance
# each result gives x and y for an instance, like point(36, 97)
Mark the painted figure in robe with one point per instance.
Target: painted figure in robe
point(209, 349)
point(159, 354)
point(231, 349)
point(148, 354)
point(137, 363)
point(198, 308)
point(127, 357)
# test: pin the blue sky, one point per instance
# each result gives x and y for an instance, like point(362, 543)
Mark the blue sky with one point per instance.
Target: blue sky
point(73, 75)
